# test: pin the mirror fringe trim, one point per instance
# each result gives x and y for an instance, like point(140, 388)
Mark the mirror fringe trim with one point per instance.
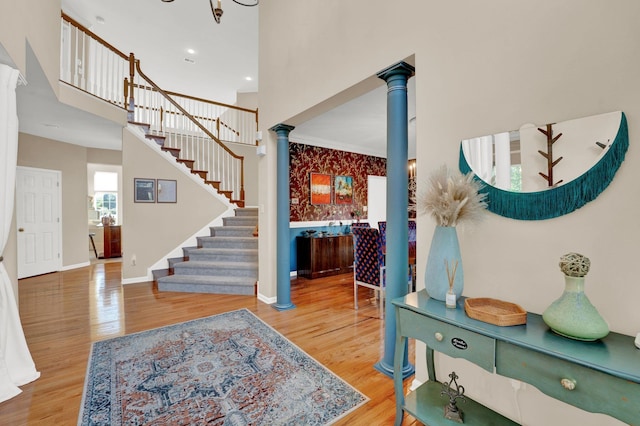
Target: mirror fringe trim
point(564, 199)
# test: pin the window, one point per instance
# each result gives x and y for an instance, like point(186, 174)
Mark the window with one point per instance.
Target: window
point(106, 203)
point(105, 200)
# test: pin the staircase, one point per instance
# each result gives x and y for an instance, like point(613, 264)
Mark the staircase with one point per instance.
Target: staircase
point(224, 263)
point(175, 153)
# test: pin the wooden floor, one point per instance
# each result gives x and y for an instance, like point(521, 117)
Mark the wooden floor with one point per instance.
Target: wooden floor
point(63, 313)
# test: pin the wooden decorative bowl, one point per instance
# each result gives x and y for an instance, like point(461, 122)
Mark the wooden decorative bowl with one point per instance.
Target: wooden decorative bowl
point(495, 311)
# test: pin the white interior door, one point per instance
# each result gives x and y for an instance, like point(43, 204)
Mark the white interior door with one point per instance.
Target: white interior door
point(376, 200)
point(38, 221)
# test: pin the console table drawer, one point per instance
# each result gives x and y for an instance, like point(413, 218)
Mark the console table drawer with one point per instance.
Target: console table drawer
point(449, 339)
point(575, 384)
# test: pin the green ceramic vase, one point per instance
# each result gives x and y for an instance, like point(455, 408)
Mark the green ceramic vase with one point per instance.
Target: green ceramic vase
point(573, 315)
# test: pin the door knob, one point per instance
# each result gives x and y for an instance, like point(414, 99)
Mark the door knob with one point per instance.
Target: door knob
point(20, 229)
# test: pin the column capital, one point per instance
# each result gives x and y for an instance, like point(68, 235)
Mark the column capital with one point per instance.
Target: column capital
point(400, 69)
point(282, 128)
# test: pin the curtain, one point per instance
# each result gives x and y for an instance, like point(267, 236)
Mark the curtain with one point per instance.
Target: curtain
point(16, 365)
point(479, 154)
point(502, 152)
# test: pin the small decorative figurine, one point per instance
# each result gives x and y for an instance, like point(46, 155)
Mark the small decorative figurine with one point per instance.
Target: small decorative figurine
point(454, 391)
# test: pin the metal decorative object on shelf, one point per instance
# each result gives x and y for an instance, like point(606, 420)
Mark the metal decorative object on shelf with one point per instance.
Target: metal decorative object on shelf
point(454, 391)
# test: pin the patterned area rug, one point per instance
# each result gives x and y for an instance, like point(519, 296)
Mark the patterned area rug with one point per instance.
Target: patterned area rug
point(228, 369)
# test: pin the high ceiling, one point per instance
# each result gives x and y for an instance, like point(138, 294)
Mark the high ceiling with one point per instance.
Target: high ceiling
point(359, 125)
point(160, 35)
point(225, 57)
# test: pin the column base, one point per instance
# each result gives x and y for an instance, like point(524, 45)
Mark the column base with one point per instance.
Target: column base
point(283, 307)
point(407, 370)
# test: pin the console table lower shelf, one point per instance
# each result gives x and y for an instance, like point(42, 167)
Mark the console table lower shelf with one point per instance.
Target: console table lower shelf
point(426, 404)
point(599, 377)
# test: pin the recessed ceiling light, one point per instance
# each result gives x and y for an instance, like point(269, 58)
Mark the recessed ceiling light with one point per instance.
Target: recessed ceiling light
point(248, 78)
point(191, 51)
point(99, 19)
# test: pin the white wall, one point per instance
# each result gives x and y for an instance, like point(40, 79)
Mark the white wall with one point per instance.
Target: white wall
point(71, 161)
point(481, 68)
point(19, 25)
point(376, 200)
point(150, 231)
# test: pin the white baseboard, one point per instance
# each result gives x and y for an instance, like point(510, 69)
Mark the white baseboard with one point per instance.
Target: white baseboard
point(265, 299)
point(415, 384)
point(136, 280)
point(76, 266)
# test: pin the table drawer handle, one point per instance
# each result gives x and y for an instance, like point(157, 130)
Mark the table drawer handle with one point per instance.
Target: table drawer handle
point(568, 384)
point(439, 337)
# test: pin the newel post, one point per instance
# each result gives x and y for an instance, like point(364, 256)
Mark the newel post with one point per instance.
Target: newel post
point(132, 73)
point(283, 255)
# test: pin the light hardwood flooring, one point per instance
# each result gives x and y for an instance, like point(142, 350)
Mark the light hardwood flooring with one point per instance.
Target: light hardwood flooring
point(63, 313)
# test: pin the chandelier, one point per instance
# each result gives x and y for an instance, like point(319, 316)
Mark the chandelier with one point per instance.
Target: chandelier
point(217, 10)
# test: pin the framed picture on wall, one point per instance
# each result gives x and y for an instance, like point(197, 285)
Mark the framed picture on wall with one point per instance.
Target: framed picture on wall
point(167, 191)
point(320, 188)
point(343, 187)
point(144, 190)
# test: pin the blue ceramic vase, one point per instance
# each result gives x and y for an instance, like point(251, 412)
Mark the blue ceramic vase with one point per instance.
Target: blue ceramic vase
point(573, 315)
point(445, 250)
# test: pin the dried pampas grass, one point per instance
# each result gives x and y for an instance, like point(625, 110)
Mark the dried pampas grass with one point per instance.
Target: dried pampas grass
point(452, 197)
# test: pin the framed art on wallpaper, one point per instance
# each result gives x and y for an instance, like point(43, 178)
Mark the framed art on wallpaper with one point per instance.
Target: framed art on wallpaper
point(344, 190)
point(320, 188)
point(144, 190)
point(167, 191)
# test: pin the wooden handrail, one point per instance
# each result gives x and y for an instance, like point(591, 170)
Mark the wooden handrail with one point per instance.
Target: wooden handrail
point(198, 117)
point(190, 117)
point(206, 101)
point(130, 85)
point(195, 98)
point(93, 35)
point(212, 102)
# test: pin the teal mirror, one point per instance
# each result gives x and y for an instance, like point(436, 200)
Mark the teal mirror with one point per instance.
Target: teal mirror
point(541, 172)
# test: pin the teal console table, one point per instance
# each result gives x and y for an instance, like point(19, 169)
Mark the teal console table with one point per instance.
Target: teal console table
point(600, 377)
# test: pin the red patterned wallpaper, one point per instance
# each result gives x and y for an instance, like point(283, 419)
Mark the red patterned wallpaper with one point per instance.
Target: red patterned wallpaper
point(304, 159)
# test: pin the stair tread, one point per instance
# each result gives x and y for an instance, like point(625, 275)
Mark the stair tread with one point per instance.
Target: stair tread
point(139, 123)
point(209, 269)
point(217, 264)
point(207, 279)
point(234, 227)
point(229, 238)
point(159, 273)
point(216, 250)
